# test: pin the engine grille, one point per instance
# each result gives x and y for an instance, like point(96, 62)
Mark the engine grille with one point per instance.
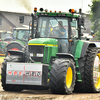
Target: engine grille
point(36, 52)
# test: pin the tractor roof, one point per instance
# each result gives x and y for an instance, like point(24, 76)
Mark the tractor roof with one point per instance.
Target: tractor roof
point(57, 14)
point(21, 28)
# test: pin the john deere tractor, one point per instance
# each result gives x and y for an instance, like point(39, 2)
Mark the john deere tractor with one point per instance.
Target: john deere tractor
point(20, 39)
point(56, 58)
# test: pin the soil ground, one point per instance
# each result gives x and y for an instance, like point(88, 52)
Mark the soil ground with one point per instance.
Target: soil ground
point(45, 95)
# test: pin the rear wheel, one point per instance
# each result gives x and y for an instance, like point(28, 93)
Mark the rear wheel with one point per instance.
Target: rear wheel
point(92, 70)
point(62, 76)
point(8, 87)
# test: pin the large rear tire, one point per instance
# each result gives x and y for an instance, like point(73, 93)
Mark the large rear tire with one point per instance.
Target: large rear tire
point(8, 87)
point(62, 76)
point(92, 70)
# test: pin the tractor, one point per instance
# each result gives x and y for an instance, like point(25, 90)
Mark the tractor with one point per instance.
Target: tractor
point(55, 58)
point(20, 39)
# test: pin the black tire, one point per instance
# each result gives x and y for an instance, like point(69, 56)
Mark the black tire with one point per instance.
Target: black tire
point(58, 77)
point(89, 71)
point(8, 87)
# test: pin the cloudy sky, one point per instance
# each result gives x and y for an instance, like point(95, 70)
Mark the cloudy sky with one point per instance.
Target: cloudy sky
point(26, 6)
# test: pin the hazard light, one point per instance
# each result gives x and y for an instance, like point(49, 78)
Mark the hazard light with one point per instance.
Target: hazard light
point(72, 11)
point(35, 9)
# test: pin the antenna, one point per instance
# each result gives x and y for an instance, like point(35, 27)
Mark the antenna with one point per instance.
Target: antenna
point(82, 5)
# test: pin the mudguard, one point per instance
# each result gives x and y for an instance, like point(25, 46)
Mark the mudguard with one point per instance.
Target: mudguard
point(80, 48)
point(65, 55)
point(15, 44)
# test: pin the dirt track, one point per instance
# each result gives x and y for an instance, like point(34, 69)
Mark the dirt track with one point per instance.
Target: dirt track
point(45, 95)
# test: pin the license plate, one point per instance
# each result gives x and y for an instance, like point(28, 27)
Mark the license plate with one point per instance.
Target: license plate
point(24, 73)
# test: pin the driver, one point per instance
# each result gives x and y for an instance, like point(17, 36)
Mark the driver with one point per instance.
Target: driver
point(61, 31)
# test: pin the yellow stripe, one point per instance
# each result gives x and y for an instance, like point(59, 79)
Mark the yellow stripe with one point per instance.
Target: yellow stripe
point(43, 44)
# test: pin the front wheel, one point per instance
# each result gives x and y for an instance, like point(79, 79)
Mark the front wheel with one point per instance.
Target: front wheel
point(9, 87)
point(62, 76)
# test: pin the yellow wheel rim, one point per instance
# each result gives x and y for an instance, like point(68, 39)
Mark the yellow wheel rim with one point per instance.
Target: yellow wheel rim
point(96, 71)
point(69, 77)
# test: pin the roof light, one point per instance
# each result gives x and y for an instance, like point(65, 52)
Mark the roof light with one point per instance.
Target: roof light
point(55, 11)
point(70, 40)
point(31, 24)
point(93, 35)
point(46, 10)
point(72, 11)
point(35, 9)
point(59, 11)
point(41, 9)
point(10, 27)
point(50, 11)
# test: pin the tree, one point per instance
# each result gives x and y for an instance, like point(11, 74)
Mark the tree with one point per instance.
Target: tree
point(95, 17)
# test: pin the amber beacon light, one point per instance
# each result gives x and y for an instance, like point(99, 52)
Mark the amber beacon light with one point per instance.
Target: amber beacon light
point(35, 9)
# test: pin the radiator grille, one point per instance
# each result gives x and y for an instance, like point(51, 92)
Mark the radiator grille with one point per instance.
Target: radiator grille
point(37, 52)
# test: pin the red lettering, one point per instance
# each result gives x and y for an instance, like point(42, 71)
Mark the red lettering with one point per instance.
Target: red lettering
point(15, 72)
point(9, 72)
point(20, 72)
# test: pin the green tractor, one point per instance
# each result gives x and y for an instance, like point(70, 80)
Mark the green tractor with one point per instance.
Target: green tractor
point(56, 58)
point(20, 39)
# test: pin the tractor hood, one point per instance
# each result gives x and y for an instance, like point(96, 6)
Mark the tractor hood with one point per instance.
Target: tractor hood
point(43, 41)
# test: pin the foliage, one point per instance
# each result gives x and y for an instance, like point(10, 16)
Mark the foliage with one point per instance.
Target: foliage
point(95, 17)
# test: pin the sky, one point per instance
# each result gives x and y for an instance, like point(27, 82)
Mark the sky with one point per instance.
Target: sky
point(27, 6)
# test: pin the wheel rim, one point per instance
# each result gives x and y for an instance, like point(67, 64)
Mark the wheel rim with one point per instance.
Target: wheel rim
point(69, 77)
point(96, 71)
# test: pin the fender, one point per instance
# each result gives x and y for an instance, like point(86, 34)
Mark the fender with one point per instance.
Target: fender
point(19, 53)
point(15, 52)
point(65, 55)
point(15, 44)
point(81, 47)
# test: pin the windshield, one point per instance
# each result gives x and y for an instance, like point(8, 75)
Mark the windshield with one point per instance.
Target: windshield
point(23, 35)
point(56, 27)
point(6, 35)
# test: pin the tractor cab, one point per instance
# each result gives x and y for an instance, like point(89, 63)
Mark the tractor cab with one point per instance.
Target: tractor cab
point(63, 27)
point(21, 34)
